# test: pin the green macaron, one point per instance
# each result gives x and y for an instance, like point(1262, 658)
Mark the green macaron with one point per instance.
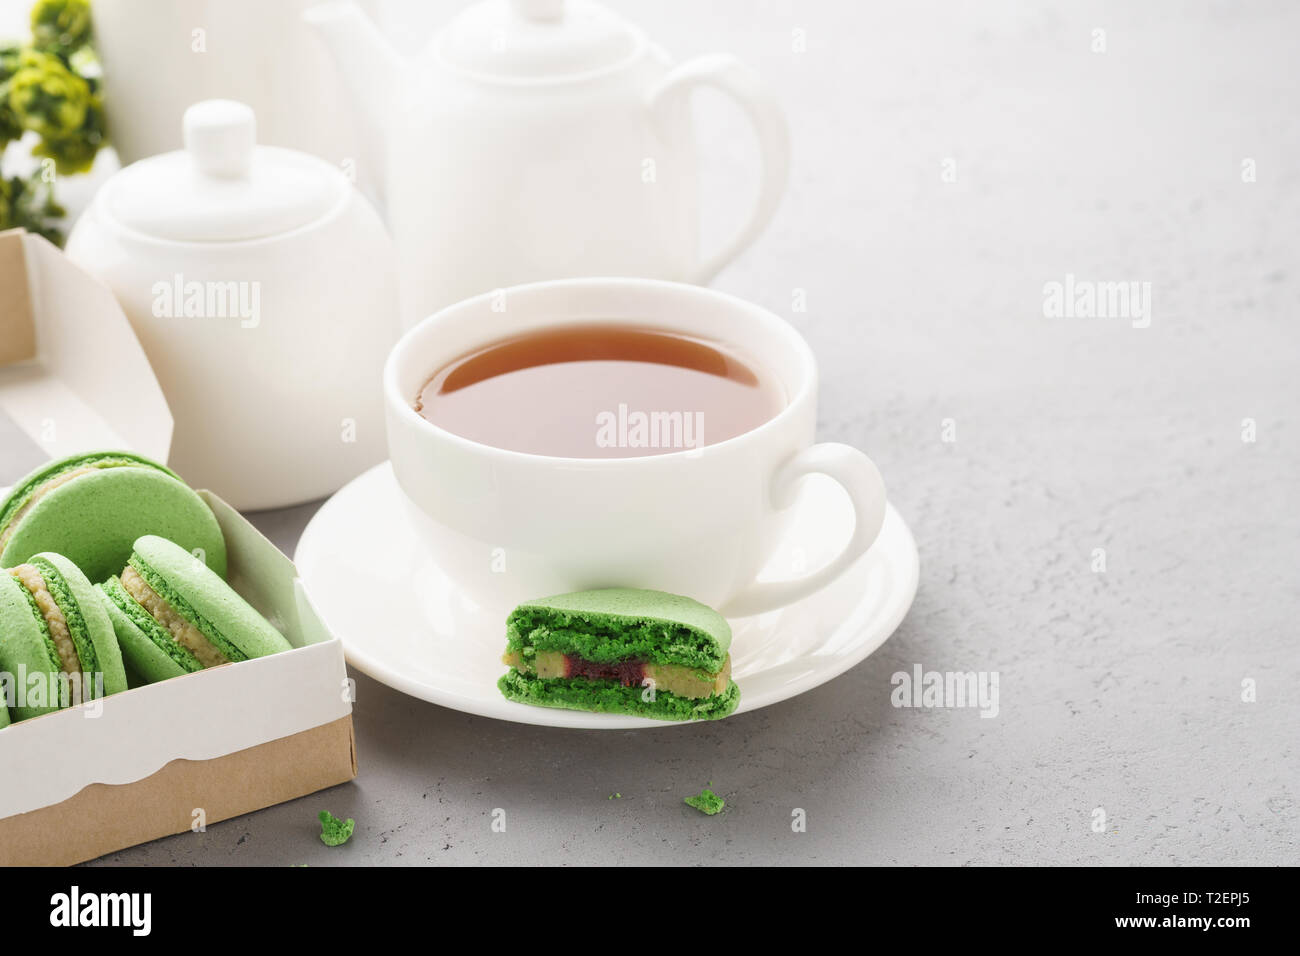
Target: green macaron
point(92, 507)
point(622, 651)
point(174, 615)
point(53, 626)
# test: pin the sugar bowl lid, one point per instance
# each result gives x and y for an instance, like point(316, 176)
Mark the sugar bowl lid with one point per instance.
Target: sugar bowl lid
point(222, 187)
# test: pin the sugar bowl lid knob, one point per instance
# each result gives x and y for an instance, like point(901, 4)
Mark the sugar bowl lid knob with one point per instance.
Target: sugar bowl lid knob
point(220, 136)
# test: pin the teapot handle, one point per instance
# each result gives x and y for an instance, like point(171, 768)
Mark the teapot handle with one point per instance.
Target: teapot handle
point(727, 74)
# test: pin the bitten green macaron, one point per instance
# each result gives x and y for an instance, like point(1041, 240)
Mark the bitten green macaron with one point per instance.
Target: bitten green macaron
point(621, 650)
point(92, 507)
point(173, 615)
point(57, 643)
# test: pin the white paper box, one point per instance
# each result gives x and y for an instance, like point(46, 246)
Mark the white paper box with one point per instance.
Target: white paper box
point(141, 764)
point(72, 375)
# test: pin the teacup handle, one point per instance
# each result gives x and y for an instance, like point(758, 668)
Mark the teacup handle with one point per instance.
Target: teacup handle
point(861, 479)
point(724, 72)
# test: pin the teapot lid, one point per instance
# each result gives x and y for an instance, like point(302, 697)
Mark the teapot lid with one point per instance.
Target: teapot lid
point(222, 186)
point(536, 39)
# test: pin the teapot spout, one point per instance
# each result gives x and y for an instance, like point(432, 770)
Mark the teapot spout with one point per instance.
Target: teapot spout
point(371, 71)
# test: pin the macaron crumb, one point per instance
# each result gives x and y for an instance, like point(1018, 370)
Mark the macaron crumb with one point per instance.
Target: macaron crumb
point(706, 801)
point(333, 831)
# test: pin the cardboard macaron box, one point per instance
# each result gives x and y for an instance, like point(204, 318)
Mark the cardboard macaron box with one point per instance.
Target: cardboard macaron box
point(161, 666)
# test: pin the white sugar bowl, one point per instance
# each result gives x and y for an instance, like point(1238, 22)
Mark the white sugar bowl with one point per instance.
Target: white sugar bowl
point(261, 284)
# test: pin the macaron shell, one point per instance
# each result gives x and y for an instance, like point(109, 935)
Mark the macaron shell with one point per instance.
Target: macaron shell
point(210, 596)
point(22, 641)
point(142, 657)
point(636, 604)
point(610, 697)
point(48, 470)
point(95, 518)
point(99, 625)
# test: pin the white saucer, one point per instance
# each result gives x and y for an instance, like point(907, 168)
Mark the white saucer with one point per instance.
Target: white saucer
point(404, 623)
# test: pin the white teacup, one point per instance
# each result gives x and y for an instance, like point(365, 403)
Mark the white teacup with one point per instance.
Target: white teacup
point(510, 526)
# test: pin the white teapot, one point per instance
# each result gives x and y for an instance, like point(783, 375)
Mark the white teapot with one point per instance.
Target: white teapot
point(160, 56)
point(541, 139)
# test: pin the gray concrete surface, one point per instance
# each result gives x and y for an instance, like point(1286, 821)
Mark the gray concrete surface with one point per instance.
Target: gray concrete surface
point(1120, 690)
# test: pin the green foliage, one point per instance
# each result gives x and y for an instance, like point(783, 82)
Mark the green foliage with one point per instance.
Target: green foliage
point(50, 87)
point(10, 128)
point(46, 96)
point(28, 202)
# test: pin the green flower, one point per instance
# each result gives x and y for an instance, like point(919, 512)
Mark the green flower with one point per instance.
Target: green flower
point(75, 153)
point(46, 96)
point(61, 25)
point(49, 88)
